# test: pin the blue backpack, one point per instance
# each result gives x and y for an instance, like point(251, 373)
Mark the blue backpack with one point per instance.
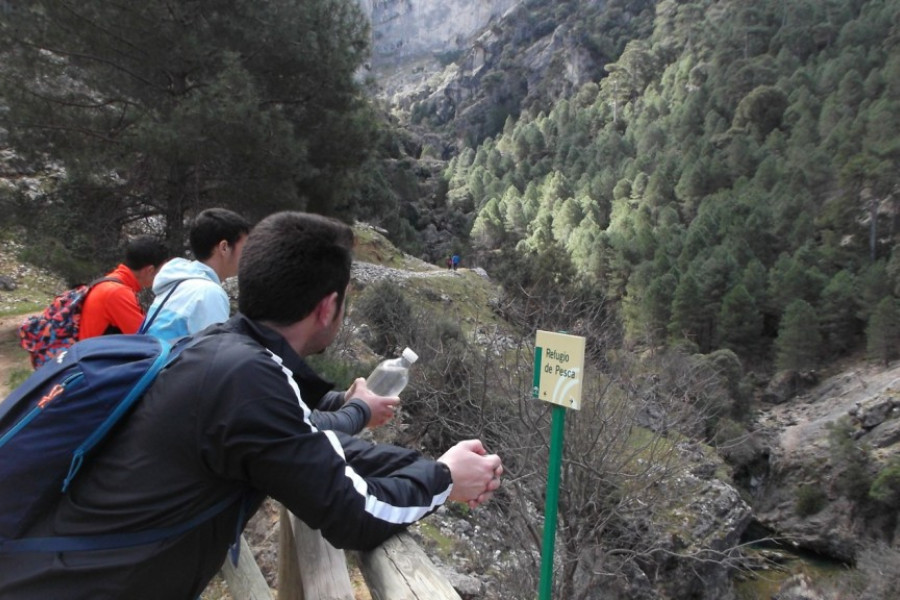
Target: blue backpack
point(57, 418)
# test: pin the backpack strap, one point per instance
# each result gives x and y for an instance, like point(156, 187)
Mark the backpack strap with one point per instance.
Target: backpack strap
point(250, 501)
point(148, 322)
point(124, 406)
point(112, 541)
point(102, 279)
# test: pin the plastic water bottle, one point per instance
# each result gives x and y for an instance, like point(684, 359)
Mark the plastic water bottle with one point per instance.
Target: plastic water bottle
point(391, 376)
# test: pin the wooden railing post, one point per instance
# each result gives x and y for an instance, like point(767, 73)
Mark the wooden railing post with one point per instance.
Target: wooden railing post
point(312, 569)
point(400, 570)
point(289, 585)
point(245, 581)
point(315, 568)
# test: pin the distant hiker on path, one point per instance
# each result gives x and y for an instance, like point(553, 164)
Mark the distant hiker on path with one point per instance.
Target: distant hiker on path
point(455, 261)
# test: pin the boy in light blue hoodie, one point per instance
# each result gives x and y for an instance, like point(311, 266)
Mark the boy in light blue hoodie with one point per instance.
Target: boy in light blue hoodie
point(189, 298)
point(189, 293)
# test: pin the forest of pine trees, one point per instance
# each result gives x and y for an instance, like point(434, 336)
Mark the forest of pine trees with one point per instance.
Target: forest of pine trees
point(732, 183)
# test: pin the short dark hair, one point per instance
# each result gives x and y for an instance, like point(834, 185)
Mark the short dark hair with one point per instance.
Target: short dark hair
point(292, 260)
point(212, 226)
point(145, 250)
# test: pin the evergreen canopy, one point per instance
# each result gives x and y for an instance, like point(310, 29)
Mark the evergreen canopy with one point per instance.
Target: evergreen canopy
point(168, 107)
point(738, 157)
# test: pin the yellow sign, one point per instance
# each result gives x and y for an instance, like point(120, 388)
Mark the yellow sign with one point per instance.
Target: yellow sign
point(558, 368)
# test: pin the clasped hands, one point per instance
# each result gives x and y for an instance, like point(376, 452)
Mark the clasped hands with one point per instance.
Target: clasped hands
point(476, 474)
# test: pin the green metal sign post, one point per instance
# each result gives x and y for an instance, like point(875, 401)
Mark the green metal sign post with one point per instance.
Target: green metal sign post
point(557, 427)
point(558, 373)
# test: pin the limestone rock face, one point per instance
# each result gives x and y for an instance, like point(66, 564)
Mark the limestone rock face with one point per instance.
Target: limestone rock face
point(464, 62)
point(695, 515)
point(800, 457)
point(404, 29)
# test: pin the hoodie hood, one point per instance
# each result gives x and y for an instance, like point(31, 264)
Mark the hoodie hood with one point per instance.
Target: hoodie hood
point(182, 268)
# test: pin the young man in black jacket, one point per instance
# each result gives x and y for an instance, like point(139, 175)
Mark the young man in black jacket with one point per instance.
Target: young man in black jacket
point(230, 418)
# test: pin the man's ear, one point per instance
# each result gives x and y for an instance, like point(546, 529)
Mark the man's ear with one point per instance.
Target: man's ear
point(327, 308)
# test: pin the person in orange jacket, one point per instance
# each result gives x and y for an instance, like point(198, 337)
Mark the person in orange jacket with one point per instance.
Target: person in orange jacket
point(112, 306)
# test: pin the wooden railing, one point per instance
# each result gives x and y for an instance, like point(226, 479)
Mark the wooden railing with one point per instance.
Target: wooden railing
point(309, 568)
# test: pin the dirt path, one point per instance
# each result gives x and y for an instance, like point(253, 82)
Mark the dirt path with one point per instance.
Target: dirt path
point(12, 357)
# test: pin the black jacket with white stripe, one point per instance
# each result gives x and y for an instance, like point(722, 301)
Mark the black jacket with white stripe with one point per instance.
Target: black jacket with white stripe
point(228, 416)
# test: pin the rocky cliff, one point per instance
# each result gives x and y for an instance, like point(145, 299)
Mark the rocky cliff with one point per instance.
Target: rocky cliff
point(805, 496)
point(404, 30)
point(463, 66)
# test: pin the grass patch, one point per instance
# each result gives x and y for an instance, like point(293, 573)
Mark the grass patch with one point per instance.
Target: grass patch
point(433, 537)
point(372, 247)
point(17, 377)
point(22, 307)
point(466, 298)
point(15, 367)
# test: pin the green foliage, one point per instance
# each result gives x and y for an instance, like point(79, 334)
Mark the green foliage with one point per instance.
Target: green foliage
point(53, 255)
point(810, 500)
point(883, 331)
point(688, 319)
point(740, 321)
point(448, 57)
point(761, 111)
point(730, 371)
point(17, 377)
point(874, 286)
point(337, 369)
point(385, 309)
point(799, 343)
point(761, 134)
point(851, 461)
point(838, 313)
point(166, 109)
point(734, 443)
point(886, 486)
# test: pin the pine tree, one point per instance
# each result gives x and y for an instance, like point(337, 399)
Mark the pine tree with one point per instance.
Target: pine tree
point(883, 331)
point(487, 231)
point(799, 341)
point(839, 307)
point(687, 320)
point(740, 321)
point(173, 106)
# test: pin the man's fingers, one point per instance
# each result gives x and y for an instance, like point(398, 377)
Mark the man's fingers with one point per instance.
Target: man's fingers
point(495, 463)
point(474, 446)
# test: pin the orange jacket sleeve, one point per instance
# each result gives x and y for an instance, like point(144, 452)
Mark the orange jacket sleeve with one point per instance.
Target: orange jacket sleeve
point(112, 304)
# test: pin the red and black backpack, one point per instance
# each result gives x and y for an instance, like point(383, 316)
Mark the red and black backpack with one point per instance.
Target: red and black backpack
point(46, 335)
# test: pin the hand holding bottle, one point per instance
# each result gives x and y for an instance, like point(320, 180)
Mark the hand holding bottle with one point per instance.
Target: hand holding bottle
point(381, 408)
point(391, 375)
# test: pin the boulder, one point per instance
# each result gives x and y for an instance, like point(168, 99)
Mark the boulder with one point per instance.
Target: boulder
point(798, 587)
point(874, 412)
point(787, 384)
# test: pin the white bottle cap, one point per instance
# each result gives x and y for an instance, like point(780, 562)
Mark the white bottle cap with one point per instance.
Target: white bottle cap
point(410, 356)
